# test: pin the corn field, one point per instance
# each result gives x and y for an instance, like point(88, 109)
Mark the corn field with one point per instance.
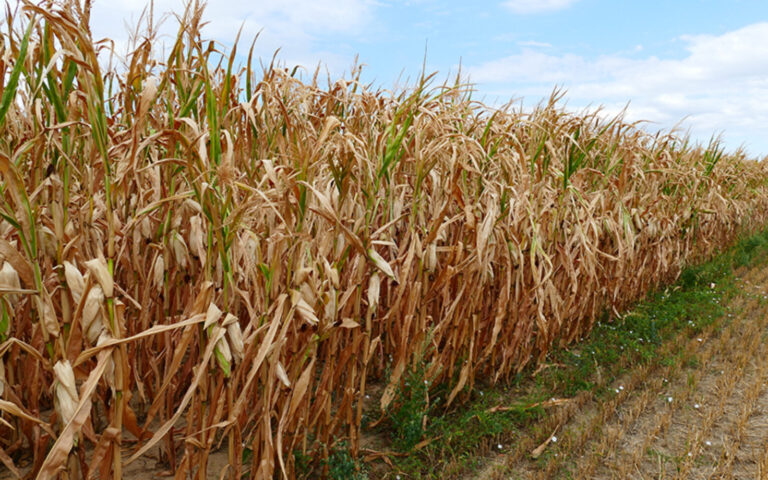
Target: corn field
point(198, 255)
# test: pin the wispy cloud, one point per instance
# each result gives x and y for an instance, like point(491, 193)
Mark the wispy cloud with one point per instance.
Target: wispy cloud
point(534, 44)
point(720, 84)
point(537, 6)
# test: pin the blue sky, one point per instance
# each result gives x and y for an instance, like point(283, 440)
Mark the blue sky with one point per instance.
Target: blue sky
point(701, 61)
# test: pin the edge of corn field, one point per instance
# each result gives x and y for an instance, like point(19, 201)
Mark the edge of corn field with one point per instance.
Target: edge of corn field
point(498, 418)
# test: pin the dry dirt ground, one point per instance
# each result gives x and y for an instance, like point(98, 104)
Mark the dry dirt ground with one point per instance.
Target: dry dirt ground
point(704, 419)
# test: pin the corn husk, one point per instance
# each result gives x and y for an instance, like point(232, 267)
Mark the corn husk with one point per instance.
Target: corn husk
point(158, 271)
point(196, 238)
point(9, 278)
point(75, 281)
point(381, 264)
point(222, 352)
point(92, 313)
point(100, 271)
point(235, 337)
point(48, 240)
point(374, 289)
point(430, 258)
point(66, 397)
point(179, 249)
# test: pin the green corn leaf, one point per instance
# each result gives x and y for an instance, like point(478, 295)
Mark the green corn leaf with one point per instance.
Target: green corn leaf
point(10, 90)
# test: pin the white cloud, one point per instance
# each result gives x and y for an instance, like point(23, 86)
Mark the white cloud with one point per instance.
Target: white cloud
point(537, 6)
point(721, 84)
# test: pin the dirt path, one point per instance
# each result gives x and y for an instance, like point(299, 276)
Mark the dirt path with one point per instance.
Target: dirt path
point(704, 417)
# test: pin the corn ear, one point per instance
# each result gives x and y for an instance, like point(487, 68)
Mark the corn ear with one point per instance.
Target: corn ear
point(66, 398)
point(100, 271)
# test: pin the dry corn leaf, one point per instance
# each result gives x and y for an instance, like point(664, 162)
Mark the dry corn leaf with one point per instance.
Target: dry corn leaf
point(300, 389)
point(100, 451)
point(554, 402)
point(13, 409)
point(349, 323)
point(212, 315)
point(305, 311)
point(147, 96)
point(144, 334)
point(463, 376)
point(536, 452)
point(47, 313)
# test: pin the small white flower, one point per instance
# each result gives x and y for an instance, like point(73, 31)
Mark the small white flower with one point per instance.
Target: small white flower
point(699, 339)
point(711, 285)
point(499, 446)
point(621, 387)
point(616, 390)
point(696, 406)
point(708, 443)
point(669, 399)
point(554, 439)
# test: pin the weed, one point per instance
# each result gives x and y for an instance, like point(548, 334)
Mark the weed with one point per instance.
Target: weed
point(409, 411)
point(342, 466)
